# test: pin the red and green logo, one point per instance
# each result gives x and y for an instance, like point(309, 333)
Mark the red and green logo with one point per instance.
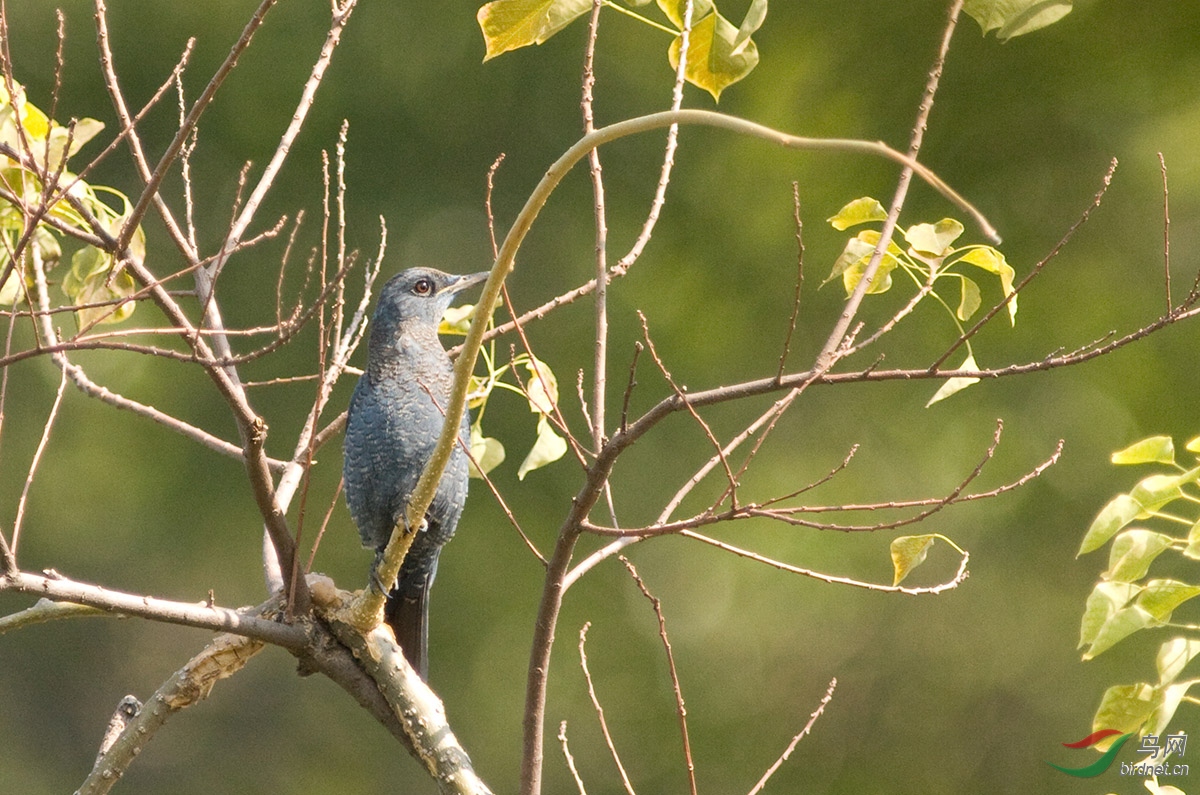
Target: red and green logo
point(1101, 764)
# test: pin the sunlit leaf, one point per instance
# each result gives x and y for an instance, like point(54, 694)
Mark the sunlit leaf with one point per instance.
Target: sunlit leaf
point(1120, 511)
point(91, 285)
point(1119, 626)
point(1193, 445)
point(1155, 492)
point(1160, 598)
point(859, 211)
point(958, 383)
point(1126, 707)
point(541, 386)
point(856, 256)
point(992, 261)
point(1173, 656)
point(548, 448)
point(712, 63)
point(1152, 450)
point(756, 14)
point(1169, 699)
point(674, 9)
point(1132, 553)
point(486, 453)
point(971, 300)
point(1103, 603)
point(908, 552)
point(457, 320)
point(1011, 18)
point(934, 239)
point(512, 24)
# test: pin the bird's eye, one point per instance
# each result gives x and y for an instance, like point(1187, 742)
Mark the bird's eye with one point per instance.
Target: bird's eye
point(422, 287)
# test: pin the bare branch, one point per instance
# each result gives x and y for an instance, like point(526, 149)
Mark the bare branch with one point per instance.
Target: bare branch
point(812, 720)
point(201, 615)
point(224, 656)
point(562, 739)
point(587, 675)
point(680, 709)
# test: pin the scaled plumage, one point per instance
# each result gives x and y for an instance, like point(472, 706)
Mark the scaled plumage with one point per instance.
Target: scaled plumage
point(395, 418)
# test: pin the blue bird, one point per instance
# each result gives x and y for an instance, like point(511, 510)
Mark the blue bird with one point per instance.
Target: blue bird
point(396, 415)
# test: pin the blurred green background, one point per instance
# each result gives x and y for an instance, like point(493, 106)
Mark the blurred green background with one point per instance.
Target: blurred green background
point(969, 691)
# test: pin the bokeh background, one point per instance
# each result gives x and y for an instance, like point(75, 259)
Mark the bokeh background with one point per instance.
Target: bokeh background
point(969, 691)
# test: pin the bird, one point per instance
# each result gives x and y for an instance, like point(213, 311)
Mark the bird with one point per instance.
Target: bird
point(395, 417)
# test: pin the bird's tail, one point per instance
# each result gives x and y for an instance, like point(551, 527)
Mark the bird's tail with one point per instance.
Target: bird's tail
point(407, 613)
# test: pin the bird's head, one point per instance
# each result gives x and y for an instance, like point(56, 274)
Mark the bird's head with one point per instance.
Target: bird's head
point(420, 295)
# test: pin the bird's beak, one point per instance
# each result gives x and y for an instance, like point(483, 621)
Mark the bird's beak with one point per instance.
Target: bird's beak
point(463, 282)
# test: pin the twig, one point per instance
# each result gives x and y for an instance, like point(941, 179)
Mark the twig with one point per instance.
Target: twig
point(587, 675)
point(199, 614)
point(787, 340)
point(1166, 232)
point(33, 464)
point(562, 739)
point(950, 584)
point(1037, 269)
point(224, 656)
point(680, 709)
point(812, 720)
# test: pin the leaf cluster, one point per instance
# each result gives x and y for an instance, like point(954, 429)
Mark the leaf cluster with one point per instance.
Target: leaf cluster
point(32, 145)
point(1127, 600)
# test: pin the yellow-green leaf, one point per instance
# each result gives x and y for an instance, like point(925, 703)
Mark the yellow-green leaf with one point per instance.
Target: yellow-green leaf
point(934, 239)
point(541, 386)
point(1151, 450)
point(908, 552)
point(992, 261)
point(970, 301)
point(457, 320)
point(486, 453)
point(712, 63)
point(548, 448)
point(859, 211)
point(512, 24)
point(958, 383)
point(1011, 18)
point(1120, 511)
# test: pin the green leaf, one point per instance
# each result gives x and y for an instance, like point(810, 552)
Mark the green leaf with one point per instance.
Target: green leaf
point(1193, 445)
point(908, 552)
point(958, 383)
point(712, 63)
point(457, 320)
point(1173, 656)
point(1126, 707)
point(487, 453)
point(1193, 548)
point(674, 9)
point(992, 261)
point(1132, 553)
point(1152, 450)
point(1155, 492)
point(548, 448)
point(1120, 511)
point(970, 301)
point(1010, 18)
point(1160, 597)
point(756, 14)
point(859, 211)
point(90, 282)
point(1103, 603)
point(541, 387)
point(934, 239)
point(855, 257)
point(1119, 626)
point(1169, 698)
point(512, 24)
